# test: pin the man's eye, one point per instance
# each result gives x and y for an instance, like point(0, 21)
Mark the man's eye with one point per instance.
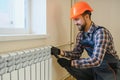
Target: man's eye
point(76, 19)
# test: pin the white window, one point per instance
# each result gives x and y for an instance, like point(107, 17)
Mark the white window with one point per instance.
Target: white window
point(22, 17)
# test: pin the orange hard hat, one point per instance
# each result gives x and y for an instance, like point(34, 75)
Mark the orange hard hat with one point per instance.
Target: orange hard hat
point(79, 8)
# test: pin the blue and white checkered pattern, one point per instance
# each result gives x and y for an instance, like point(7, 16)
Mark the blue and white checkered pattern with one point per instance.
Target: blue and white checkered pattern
point(103, 44)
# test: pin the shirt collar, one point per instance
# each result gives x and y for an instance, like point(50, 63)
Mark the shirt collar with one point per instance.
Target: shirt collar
point(92, 28)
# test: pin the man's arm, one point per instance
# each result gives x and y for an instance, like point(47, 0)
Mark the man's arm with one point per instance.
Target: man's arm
point(101, 43)
point(76, 52)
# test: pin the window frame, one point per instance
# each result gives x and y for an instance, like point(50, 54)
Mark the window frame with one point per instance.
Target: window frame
point(29, 32)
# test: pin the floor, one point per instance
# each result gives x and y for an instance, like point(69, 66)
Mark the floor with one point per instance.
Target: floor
point(70, 78)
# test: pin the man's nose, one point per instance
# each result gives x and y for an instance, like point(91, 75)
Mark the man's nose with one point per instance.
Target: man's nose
point(75, 22)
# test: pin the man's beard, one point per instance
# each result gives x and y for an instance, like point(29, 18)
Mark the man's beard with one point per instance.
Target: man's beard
point(81, 27)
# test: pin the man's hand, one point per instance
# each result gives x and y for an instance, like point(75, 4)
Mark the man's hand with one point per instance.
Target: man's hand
point(55, 51)
point(64, 62)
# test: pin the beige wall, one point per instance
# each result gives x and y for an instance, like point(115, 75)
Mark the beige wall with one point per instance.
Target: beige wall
point(58, 24)
point(105, 13)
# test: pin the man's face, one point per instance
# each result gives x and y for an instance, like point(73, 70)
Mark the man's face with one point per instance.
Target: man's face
point(80, 23)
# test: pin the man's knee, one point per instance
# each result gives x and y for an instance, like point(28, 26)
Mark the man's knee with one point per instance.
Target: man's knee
point(80, 74)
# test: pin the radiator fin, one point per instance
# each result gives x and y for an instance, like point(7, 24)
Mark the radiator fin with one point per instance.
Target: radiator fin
point(30, 64)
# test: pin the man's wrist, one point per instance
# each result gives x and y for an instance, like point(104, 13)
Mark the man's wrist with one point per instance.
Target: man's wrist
point(62, 53)
point(72, 64)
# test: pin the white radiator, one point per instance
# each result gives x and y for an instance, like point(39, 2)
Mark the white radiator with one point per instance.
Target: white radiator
point(31, 64)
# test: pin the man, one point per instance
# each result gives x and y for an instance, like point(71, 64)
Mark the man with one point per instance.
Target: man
point(97, 41)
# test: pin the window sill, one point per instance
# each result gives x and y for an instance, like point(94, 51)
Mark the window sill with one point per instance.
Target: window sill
point(21, 37)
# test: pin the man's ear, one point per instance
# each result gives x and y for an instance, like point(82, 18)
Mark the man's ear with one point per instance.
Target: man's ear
point(86, 16)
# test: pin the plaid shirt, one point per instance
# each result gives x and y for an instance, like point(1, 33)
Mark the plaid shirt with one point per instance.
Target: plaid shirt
point(103, 43)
